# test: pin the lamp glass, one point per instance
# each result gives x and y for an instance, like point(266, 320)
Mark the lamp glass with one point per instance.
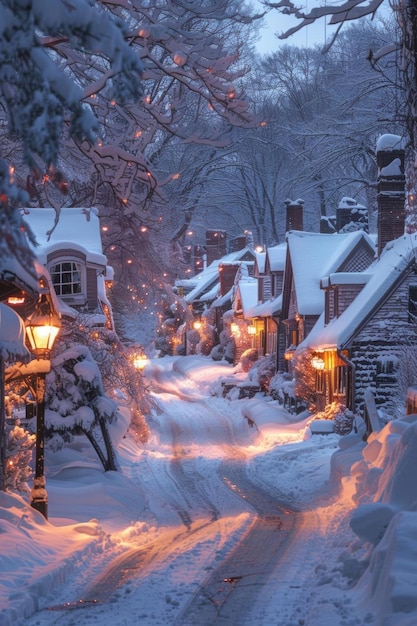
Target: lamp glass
point(42, 327)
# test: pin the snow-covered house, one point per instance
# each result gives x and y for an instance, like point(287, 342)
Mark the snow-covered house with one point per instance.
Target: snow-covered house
point(265, 313)
point(71, 250)
point(368, 327)
point(363, 337)
point(216, 281)
point(311, 256)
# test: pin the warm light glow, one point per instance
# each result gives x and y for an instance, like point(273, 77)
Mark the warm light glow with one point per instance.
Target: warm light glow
point(317, 362)
point(234, 328)
point(16, 300)
point(197, 325)
point(252, 330)
point(140, 361)
point(289, 354)
point(42, 327)
point(179, 57)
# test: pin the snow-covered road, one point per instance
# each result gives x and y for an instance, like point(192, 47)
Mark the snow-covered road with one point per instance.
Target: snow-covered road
point(221, 533)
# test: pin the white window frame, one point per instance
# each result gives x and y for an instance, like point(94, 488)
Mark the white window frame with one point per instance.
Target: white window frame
point(72, 297)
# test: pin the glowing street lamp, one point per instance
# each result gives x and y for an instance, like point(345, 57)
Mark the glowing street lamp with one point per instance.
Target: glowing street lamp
point(42, 328)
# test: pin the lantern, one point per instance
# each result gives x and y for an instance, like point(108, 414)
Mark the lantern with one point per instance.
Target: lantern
point(42, 327)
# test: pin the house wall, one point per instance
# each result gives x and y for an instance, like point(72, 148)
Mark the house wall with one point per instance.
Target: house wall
point(91, 284)
point(345, 295)
point(91, 289)
point(385, 334)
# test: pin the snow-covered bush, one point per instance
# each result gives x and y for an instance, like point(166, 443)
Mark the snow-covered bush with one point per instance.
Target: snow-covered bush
point(305, 377)
point(76, 403)
point(226, 348)
point(19, 446)
point(342, 417)
point(282, 387)
point(263, 371)
point(248, 359)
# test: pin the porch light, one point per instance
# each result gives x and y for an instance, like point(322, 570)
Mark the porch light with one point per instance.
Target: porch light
point(140, 361)
point(234, 328)
point(197, 325)
point(42, 327)
point(289, 354)
point(251, 330)
point(317, 362)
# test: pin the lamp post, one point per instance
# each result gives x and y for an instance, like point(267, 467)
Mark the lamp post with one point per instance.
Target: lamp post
point(42, 328)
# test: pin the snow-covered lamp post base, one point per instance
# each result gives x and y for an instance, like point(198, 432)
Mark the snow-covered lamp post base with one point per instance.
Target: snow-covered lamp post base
point(42, 328)
point(38, 494)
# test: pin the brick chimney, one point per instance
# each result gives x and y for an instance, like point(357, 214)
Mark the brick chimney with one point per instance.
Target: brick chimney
point(351, 216)
point(227, 274)
point(390, 189)
point(294, 214)
point(215, 245)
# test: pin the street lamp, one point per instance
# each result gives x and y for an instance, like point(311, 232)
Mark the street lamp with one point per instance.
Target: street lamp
point(42, 328)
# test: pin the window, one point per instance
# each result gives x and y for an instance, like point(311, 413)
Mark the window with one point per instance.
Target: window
point(320, 381)
point(412, 304)
point(339, 380)
point(66, 278)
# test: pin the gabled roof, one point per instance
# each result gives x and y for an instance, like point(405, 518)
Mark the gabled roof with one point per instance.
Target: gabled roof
point(395, 260)
point(77, 228)
point(267, 308)
point(313, 256)
point(275, 257)
point(209, 277)
point(246, 295)
point(259, 269)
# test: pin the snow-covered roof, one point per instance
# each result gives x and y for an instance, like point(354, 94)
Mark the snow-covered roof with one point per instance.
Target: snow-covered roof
point(345, 278)
point(276, 257)
point(314, 256)
point(248, 290)
point(260, 258)
point(266, 309)
point(223, 300)
point(384, 272)
point(77, 228)
point(210, 275)
point(211, 294)
point(12, 336)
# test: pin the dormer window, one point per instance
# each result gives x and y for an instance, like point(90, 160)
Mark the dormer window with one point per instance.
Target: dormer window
point(67, 280)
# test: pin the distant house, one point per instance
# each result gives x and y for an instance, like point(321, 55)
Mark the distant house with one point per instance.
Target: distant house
point(71, 250)
point(216, 281)
point(310, 256)
point(264, 314)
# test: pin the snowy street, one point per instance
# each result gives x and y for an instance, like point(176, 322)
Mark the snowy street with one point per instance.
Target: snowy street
point(227, 532)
